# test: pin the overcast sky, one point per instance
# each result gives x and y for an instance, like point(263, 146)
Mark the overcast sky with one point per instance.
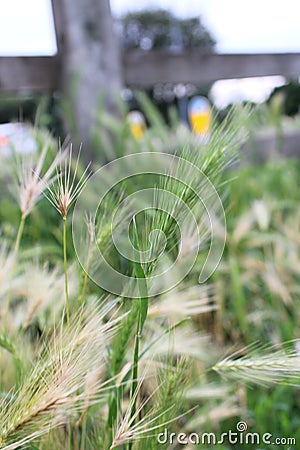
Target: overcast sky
point(238, 26)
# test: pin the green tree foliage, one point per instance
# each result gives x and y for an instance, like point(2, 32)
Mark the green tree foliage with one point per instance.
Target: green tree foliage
point(159, 29)
point(291, 97)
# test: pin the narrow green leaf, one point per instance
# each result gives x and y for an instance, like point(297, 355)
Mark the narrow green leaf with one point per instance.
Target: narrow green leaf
point(142, 284)
point(9, 346)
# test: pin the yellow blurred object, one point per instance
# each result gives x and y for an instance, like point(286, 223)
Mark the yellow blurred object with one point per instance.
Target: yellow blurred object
point(137, 124)
point(137, 130)
point(201, 123)
point(200, 115)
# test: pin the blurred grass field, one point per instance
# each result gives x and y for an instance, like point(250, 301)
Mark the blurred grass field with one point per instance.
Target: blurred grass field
point(251, 301)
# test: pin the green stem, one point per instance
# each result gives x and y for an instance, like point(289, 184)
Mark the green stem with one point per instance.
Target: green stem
point(119, 346)
point(66, 270)
point(138, 313)
point(15, 256)
point(85, 279)
point(142, 316)
point(84, 284)
point(135, 361)
point(240, 301)
point(136, 354)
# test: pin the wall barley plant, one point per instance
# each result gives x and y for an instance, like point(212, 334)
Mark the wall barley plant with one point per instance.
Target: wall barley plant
point(31, 185)
point(264, 365)
point(142, 348)
point(62, 194)
point(52, 392)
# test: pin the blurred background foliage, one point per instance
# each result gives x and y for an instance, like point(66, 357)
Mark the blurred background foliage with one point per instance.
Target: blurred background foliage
point(256, 286)
point(160, 29)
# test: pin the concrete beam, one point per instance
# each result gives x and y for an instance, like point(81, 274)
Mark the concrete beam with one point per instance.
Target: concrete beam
point(29, 74)
point(143, 69)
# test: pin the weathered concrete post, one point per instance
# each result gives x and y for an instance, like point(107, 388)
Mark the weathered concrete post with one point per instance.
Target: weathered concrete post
point(89, 53)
